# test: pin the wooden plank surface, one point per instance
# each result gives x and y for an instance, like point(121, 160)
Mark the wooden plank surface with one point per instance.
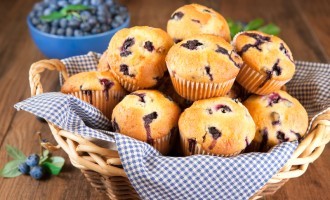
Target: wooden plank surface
point(305, 28)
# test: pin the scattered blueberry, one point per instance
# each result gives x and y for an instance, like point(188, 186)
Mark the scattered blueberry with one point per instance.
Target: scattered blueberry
point(33, 160)
point(69, 32)
point(78, 33)
point(60, 31)
point(37, 172)
point(24, 168)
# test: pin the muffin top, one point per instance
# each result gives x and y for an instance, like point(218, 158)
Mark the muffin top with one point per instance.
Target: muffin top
point(194, 19)
point(87, 81)
point(203, 58)
point(266, 54)
point(138, 54)
point(278, 117)
point(212, 123)
point(145, 115)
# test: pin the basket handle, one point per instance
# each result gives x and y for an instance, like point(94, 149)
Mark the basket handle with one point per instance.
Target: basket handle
point(38, 67)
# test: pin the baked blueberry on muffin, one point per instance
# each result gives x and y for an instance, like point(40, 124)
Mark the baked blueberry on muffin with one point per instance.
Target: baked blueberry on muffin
point(211, 127)
point(97, 88)
point(203, 66)
point(149, 116)
point(137, 56)
point(278, 117)
point(268, 62)
point(194, 19)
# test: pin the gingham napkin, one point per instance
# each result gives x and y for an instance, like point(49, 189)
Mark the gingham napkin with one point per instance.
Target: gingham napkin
point(196, 177)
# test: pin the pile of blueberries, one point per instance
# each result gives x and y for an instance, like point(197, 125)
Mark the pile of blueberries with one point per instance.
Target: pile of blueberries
point(31, 166)
point(102, 16)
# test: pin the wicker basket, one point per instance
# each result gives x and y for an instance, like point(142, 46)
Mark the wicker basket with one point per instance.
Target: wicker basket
point(102, 167)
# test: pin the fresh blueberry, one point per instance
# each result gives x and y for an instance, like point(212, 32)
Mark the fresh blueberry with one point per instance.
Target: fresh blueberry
point(33, 160)
point(85, 27)
point(101, 19)
point(62, 3)
point(96, 30)
point(53, 30)
point(47, 11)
point(38, 6)
point(77, 33)
point(96, 2)
point(35, 21)
point(114, 24)
point(55, 23)
point(75, 2)
point(109, 2)
point(24, 168)
point(69, 31)
point(39, 27)
point(86, 3)
point(63, 23)
point(45, 28)
point(92, 21)
point(85, 14)
point(60, 31)
point(32, 14)
point(37, 172)
point(105, 27)
point(119, 19)
point(40, 13)
point(74, 23)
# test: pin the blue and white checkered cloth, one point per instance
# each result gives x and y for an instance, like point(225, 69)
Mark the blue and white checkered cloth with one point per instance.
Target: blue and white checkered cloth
point(158, 177)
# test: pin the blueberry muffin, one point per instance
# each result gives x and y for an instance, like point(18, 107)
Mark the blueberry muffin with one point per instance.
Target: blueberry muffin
point(202, 67)
point(103, 65)
point(97, 88)
point(148, 116)
point(194, 19)
point(278, 117)
point(137, 56)
point(268, 62)
point(210, 127)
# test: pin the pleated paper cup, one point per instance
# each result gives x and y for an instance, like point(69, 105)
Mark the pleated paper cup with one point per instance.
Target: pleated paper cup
point(132, 85)
point(257, 83)
point(194, 91)
point(164, 144)
point(195, 149)
point(99, 99)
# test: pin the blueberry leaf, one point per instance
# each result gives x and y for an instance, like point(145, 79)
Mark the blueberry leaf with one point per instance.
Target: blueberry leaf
point(44, 156)
point(54, 164)
point(271, 29)
point(10, 170)
point(53, 16)
point(254, 24)
point(15, 153)
point(71, 8)
point(234, 27)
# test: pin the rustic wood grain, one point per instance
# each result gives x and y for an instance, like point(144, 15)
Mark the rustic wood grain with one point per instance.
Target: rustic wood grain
point(305, 28)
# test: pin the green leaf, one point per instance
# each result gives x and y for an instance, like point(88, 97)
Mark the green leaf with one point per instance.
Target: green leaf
point(54, 164)
point(10, 170)
point(15, 153)
point(44, 156)
point(271, 29)
point(254, 24)
point(52, 16)
point(234, 27)
point(71, 8)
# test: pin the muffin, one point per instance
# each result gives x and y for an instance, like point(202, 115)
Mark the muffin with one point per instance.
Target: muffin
point(97, 88)
point(194, 19)
point(148, 116)
point(278, 117)
point(137, 56)
point(202, 67)
point(268, 62)
point(103, 65)
point(210, 127)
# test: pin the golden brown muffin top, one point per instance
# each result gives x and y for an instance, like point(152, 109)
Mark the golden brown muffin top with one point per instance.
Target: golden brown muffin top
point(221, 125)
point(91, 81)
point(145, 115)
point(266, 54)
point(103, 63)
point(203, 58)
point(278, 117)
point(138, 54)
point(194, 19)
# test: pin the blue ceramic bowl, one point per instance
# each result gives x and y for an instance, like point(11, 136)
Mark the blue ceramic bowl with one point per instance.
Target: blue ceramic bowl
point(54, 46)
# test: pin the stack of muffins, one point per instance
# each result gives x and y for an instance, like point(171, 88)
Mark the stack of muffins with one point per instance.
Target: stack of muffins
point(230, 93)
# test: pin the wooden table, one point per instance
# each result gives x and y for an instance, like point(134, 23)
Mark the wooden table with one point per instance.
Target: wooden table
point(305, 28)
